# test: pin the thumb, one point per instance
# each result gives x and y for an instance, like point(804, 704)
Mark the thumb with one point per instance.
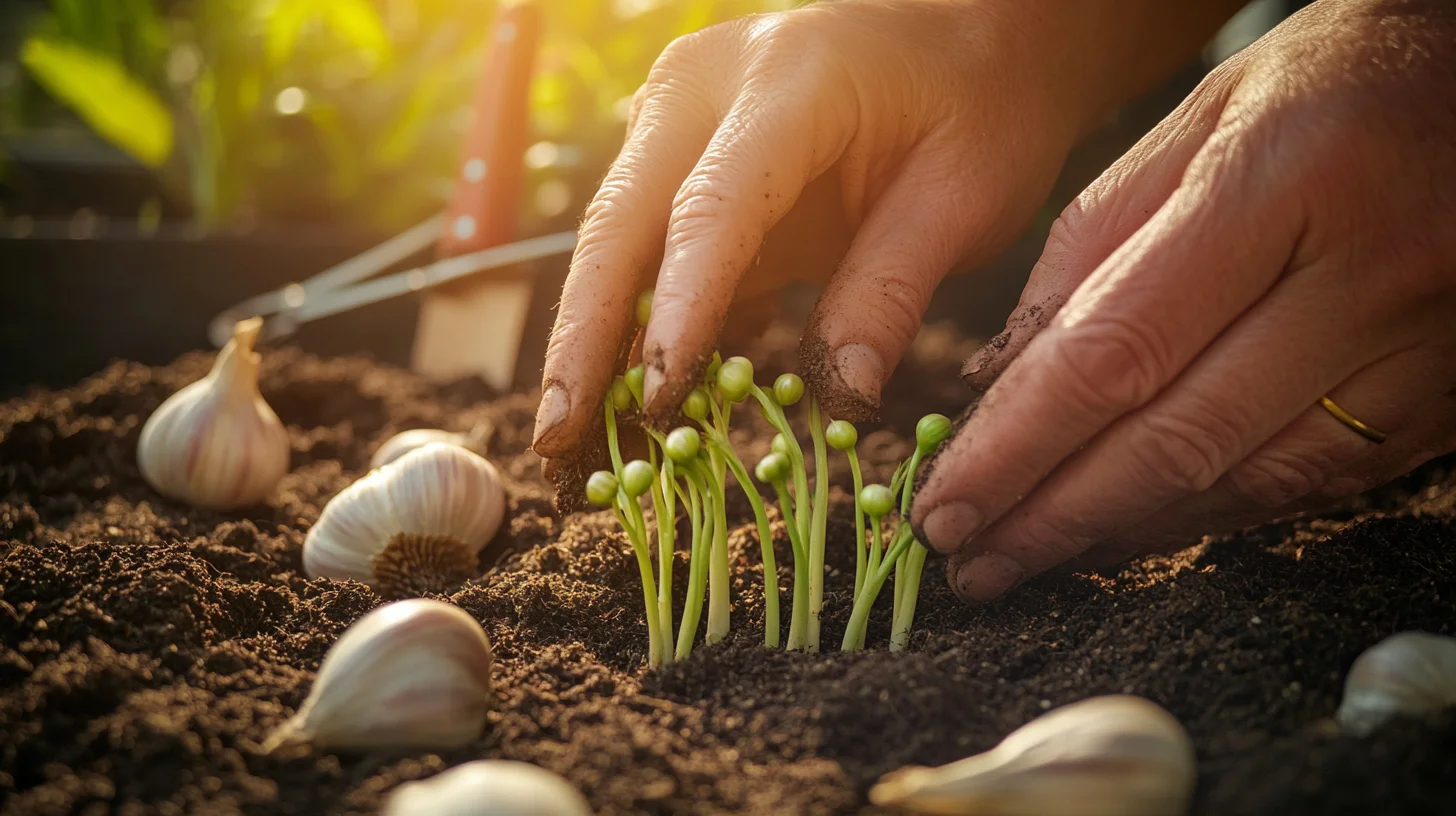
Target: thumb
point(872, 306)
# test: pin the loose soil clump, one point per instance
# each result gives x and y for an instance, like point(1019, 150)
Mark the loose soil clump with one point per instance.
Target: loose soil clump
point(147, 648)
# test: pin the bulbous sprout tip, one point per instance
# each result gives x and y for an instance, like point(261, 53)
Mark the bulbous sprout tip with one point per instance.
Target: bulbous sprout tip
point(876, 500)
point(735, 378)
point(637, 477)
point(682, 445)
point(772, 468)
point(841, 435)
point(601, 488)
point(930, 431)
point(788, 389)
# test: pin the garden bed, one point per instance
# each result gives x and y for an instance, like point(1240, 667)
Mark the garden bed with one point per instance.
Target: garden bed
point(147, 648)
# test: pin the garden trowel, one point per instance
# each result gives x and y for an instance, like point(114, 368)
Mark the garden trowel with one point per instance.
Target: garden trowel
point(477, 295)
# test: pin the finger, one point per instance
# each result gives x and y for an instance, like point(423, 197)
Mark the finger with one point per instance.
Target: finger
point(1313, 461)
point(872, 307)
point(1262, 376)
point(1431, 432)
point(751, 173)
point(1100, 220)
point(620, 235)
point(1127, 331)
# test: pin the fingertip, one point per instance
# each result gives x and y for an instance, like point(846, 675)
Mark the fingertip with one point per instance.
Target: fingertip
point(557, 431)
point(847, 380)
point(665, 385)
point(978, 371)
point(985, 578)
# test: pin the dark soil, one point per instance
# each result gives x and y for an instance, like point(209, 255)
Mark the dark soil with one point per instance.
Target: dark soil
point(147, 648)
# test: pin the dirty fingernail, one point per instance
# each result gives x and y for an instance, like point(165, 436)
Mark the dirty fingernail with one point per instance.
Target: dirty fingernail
point(861, 370)
point(983, 356)
point(987, 577)
point(555, 404)
point(950, 525)
point(652, 382)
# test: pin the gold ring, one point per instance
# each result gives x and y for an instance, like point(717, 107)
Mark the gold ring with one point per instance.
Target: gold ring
point(1351, 422)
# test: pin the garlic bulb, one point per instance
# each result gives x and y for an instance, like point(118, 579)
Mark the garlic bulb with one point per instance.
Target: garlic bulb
point(488, 787)
point(412, 673)
point(1407, 674)
point(1107, 756)
point(406, 441)
point(216, 443)
point(412, 526)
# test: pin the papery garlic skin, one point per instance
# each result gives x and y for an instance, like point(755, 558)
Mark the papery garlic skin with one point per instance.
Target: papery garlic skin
point(216, 443)
point(488, 787)
point(437, 490)
point(1108, 756)
point(412, 673)
point(406, 441)
point(1407, 674)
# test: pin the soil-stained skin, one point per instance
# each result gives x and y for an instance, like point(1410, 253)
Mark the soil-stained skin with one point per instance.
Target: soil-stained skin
point(147, 648)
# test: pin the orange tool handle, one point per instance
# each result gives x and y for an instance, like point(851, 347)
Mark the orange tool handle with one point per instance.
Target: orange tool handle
point(485, 208)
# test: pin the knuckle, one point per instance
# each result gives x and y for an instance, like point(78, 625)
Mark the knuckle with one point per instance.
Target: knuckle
point(899, 307)
point(1272, 478)
point(607, 213)
point(1111, 367)
point(698, 204)
point(1184, 454)
point(686, 52)
point(1051, 539)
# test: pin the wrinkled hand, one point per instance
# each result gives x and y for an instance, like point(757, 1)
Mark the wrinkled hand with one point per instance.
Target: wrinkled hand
point(944, 122)
point(1288, 233)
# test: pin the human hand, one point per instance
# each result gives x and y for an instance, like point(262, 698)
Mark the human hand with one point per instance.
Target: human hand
point(1288, 233)
point(943, 121)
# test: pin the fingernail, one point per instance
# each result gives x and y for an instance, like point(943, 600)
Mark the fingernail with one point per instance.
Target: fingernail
point(652, 382)
point(555, 404)
point(984, 355)
point(950, 525)
point(987, 577)
point(861, 370)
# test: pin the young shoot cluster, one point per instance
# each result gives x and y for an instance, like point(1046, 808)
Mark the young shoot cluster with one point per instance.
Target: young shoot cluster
point(687, 473)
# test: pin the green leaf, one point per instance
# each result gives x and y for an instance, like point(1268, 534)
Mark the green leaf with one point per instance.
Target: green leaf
point(98, 89)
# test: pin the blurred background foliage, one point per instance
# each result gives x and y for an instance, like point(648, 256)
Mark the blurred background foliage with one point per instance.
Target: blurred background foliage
point(340, 112)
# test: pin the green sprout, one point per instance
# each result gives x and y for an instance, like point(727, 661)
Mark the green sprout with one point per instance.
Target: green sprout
point(930, 432)
point(842, 436)
point(644, 307)
point(688, 468)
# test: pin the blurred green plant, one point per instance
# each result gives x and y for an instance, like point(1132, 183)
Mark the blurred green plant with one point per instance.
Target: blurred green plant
point(341, 110)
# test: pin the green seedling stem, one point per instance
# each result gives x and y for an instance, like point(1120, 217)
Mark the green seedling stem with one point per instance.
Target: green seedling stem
point(718, 609)
point(774, 413)
point(700, 511)
point(876, 551)
point(818, 524)
point(860, 556)
point(904, 616)
point(799, 623)
point(630, 520)
point(664, 509)
point(765, 539)
point(612, 439)
point(854, 633)
point(909, 567)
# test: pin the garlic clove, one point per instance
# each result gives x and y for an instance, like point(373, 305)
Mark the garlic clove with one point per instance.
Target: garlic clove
point(216, 443)
point(1407, 674)
point(1106, 756)
point(412, 526)
point(406, 441)
point(488, 787)
point(412, 673)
